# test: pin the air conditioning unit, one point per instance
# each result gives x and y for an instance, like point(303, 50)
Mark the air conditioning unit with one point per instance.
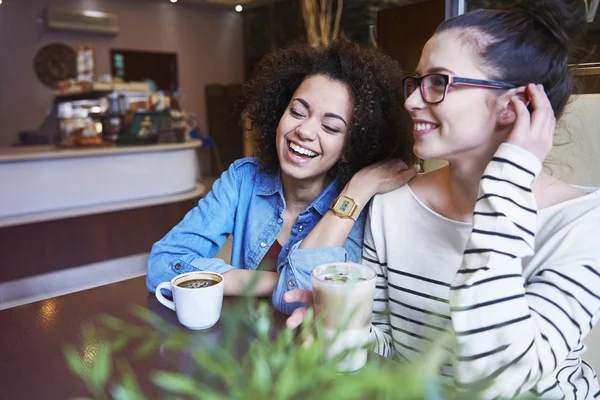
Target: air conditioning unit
point(82, 21)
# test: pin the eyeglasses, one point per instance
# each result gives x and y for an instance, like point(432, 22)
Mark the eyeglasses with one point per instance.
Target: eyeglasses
point(435, 86)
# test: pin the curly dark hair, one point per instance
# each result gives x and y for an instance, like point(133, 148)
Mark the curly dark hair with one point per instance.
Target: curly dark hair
point(378, 126)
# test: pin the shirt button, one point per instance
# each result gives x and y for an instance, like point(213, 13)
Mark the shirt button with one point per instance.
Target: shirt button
point(178, 267)
point(263, 244)
point(300, 228)
point(292, 283)
point(280, 221)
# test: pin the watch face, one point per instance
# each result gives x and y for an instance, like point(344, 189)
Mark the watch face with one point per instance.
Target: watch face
point(344, 205)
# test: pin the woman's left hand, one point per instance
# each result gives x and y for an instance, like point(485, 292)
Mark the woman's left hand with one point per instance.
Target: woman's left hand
point(533, 132)
point(298, 296)
point(381, 177)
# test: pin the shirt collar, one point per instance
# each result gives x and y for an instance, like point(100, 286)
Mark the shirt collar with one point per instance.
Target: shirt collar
point(271, 184)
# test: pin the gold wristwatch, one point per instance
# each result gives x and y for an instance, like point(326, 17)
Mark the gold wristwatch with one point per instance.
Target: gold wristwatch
point(345, 207)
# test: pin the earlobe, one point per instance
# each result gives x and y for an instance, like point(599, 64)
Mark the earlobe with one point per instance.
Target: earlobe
point(508, 115)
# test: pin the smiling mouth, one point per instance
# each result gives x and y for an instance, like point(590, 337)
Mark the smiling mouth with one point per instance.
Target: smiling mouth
point(421, 128)
point(301, 151)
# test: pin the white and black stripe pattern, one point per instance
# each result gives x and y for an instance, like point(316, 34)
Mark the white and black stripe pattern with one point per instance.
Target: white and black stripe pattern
point(520, 302)
point(380, 330)
point(533, 333)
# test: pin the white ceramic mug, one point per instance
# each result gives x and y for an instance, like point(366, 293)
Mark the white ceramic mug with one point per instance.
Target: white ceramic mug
point(196, 308)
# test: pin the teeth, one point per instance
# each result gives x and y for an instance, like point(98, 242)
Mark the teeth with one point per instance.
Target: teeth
point(420, 126)
point(302, 150)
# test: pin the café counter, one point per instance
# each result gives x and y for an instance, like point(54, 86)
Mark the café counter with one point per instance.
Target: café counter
point(63, 208)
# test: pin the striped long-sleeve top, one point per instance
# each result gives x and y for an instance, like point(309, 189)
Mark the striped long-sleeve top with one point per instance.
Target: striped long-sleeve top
point(519, 287)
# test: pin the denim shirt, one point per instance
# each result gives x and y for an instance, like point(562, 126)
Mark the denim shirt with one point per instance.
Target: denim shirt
point(249, 204)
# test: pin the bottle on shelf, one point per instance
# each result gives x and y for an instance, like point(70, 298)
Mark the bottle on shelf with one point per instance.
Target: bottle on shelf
point(112, 123)
point(85, 62)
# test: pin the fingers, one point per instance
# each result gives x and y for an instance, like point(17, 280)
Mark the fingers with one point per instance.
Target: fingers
point(392, 165)
point(543, 115)
point(298, 296)
point(543, 120)
point(400, 164)
point(523, 118)
point(533, 132)
point(519, 134)
point(384, 176)
point(296, 318)
point(539, 100)
point(408, 174)
point(385, 167)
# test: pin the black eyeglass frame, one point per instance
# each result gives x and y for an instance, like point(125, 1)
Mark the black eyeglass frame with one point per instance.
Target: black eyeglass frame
point(454, 81)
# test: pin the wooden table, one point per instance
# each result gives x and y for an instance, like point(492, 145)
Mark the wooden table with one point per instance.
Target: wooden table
point(32, 336)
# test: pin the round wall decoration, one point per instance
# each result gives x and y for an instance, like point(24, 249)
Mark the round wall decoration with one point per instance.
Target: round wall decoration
point(54, 63)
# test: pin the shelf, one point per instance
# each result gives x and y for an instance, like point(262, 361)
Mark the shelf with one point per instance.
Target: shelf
point(95, 95)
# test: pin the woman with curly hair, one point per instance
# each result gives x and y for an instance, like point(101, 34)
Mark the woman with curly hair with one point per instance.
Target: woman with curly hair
point(328, 136)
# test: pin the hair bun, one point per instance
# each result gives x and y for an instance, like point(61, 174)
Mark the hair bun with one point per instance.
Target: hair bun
point(564, 19)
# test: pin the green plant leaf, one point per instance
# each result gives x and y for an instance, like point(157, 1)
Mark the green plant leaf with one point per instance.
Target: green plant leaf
point(262, 324)
point(261, 376)
point(286, 381)
point(218, 364)
point(177, 383)
point(149, 317)
point(128, 379)
point(309, 319)
point(73, 360)
point(88, 332)
point(112, 322)
point(150, 344)
point(287, 336)
point(177, 340)
point(100, 371)
point(283, 367)
point(120, 393)
point(120, 342)
point(128, 388)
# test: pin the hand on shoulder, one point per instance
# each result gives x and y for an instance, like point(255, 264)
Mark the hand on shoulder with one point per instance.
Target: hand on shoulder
point(381, 177)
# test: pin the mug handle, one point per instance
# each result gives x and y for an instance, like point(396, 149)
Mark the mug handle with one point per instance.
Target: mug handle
point(159, 296)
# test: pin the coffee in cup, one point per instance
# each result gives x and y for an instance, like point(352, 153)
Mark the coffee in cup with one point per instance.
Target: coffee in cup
point(343, 298)
point(197, 283)
point(197, 298)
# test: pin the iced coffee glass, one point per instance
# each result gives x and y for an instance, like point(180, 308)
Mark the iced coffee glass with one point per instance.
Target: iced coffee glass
point(343, 299)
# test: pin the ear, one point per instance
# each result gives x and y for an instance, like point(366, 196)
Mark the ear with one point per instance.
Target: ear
point(507, 114)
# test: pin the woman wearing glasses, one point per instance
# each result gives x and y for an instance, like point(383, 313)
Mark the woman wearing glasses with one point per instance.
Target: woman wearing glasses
point(490, 248)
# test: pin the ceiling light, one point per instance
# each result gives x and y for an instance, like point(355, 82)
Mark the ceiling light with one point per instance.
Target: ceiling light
point(0, 1)
point(93, 14)
point(238, 8)
point(173, 1)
